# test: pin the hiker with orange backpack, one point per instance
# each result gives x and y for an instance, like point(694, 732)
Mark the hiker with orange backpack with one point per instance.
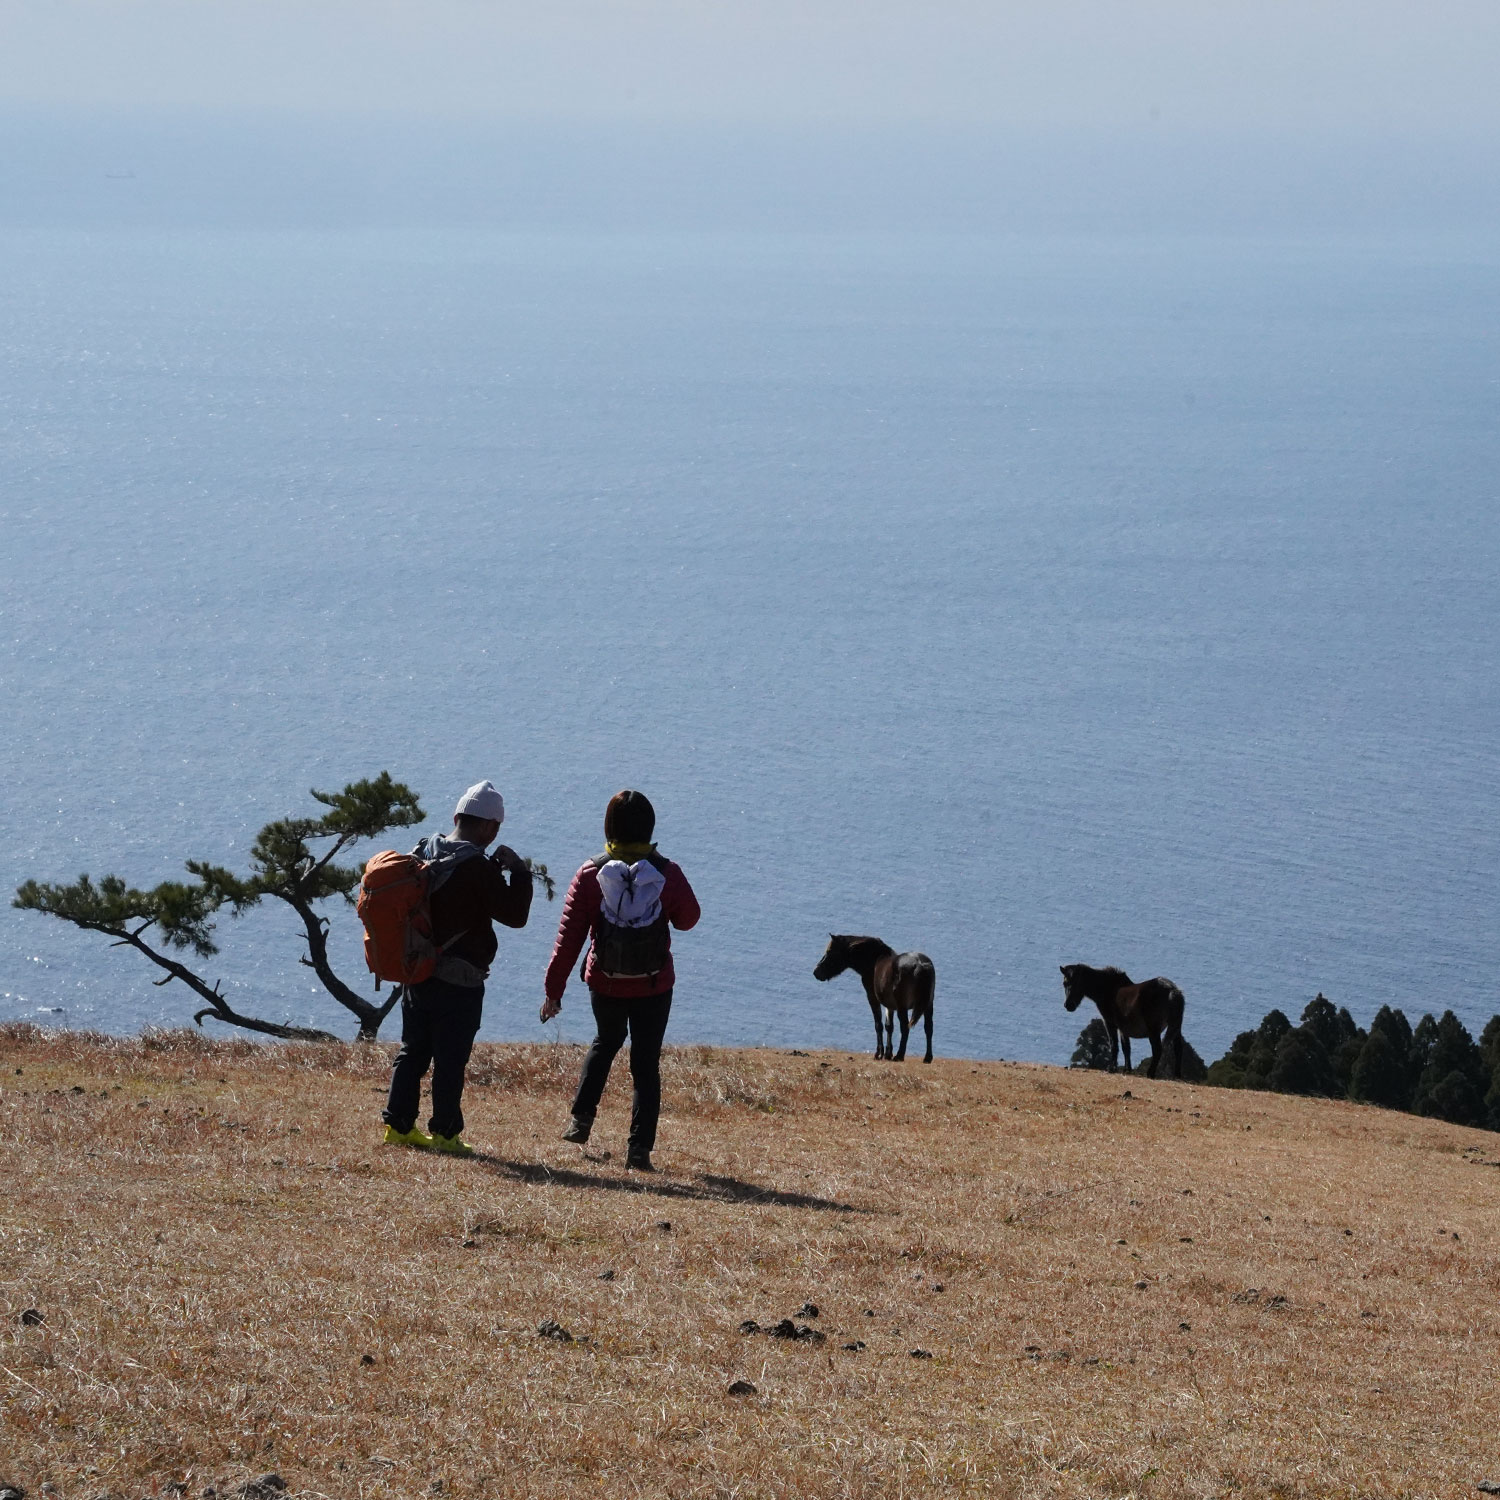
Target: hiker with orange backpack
point(624, 899)
point(428, 919)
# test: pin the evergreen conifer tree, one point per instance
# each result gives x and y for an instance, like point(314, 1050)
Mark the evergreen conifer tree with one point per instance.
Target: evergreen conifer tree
point(1489, 1047)
point(1228, 1072)
point(1379, 1073)
point(1302, 1065)
point(1262, 1059)
point(1423, 1035)
point(1093, 1049)
point(1340, 1037)
point(1453, 1083)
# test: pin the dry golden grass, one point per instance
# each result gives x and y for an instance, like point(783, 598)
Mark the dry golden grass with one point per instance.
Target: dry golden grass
point(235, 1277)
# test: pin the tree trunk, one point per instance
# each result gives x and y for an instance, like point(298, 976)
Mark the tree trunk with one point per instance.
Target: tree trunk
point(369, 1016)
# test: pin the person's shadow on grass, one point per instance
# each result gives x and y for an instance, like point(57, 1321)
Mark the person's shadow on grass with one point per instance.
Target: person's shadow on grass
point(705, 1187)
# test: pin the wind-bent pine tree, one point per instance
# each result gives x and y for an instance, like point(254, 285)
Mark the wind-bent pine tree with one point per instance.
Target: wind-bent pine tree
point(291, 859)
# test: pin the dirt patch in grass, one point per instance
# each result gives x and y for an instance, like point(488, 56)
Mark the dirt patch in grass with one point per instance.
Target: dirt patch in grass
point(1026, 1284)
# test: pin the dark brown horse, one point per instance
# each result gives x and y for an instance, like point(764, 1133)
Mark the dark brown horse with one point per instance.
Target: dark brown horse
point(1148, 1009)
point(900, 984)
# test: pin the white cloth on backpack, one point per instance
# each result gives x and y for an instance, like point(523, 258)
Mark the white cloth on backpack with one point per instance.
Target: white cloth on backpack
point(443, 854)
point(632, 893)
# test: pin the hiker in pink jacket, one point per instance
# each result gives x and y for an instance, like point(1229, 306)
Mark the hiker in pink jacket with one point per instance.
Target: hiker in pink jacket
point(625, 900)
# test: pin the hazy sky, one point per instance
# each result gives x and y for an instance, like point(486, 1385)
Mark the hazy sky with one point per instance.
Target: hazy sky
point(1370, 66)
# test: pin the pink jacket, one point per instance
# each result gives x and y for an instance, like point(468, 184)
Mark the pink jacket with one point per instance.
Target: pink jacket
point(580, 912)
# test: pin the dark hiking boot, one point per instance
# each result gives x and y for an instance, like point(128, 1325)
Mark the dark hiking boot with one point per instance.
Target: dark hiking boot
point(638, 1161)
point(578, 1132)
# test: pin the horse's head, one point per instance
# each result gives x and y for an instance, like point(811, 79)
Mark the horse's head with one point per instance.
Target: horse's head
point(1073, 995)
point(835, 958)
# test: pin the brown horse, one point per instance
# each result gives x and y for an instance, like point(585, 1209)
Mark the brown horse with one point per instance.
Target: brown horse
point(900, 984)
point(1147, 1009)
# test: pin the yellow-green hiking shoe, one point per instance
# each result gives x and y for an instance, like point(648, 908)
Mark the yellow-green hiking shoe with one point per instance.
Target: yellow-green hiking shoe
point(451, 1145)
point(413, 1137)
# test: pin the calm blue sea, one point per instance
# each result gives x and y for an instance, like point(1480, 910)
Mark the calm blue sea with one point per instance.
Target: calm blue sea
point(1024, 600)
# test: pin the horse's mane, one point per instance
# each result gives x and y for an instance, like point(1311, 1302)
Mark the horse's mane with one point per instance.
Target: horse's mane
point(853, 941)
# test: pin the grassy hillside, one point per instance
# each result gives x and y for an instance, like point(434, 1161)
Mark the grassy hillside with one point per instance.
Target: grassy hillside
point(1170, 1291)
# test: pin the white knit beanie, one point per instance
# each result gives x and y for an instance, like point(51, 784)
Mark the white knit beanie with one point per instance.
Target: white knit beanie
point(481, 801)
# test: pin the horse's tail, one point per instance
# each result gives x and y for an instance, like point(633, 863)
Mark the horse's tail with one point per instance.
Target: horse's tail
point(926, 978)
point(1176, 1005)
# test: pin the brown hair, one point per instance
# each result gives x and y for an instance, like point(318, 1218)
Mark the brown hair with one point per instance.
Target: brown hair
point(629, 819)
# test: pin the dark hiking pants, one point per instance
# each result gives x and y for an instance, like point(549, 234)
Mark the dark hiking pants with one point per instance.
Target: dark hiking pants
point(439, 1022)
point(646, 1021)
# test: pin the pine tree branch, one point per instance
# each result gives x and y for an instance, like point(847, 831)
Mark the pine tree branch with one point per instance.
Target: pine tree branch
point(217, 1005)
point(343, 840)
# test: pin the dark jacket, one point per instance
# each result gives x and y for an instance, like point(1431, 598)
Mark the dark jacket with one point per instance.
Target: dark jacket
point(579, 914)
point(474, 896)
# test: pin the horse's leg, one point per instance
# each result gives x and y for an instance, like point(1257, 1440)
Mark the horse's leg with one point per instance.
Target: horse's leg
point(1155, 1054)
point(1125, 1048)
point(905, 1032)
point(927, 1016)
point(879, 1039)
point(890, 1028)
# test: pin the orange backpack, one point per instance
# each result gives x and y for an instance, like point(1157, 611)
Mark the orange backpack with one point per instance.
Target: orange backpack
point(395, 906)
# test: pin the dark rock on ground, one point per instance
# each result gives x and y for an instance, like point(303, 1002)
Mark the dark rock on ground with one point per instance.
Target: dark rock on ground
point(33, 1317)
point(606, 1276)
point(749, 1326)
point(856, 1345)
point(741, 1388)
point(554, 1330)
point(266, 1487)
point(808, 1310)
point(367, 1359)
point(786, 1329)
point(921, 1353)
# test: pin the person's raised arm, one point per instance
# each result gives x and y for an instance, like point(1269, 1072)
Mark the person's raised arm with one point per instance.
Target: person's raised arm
point(509, 899)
